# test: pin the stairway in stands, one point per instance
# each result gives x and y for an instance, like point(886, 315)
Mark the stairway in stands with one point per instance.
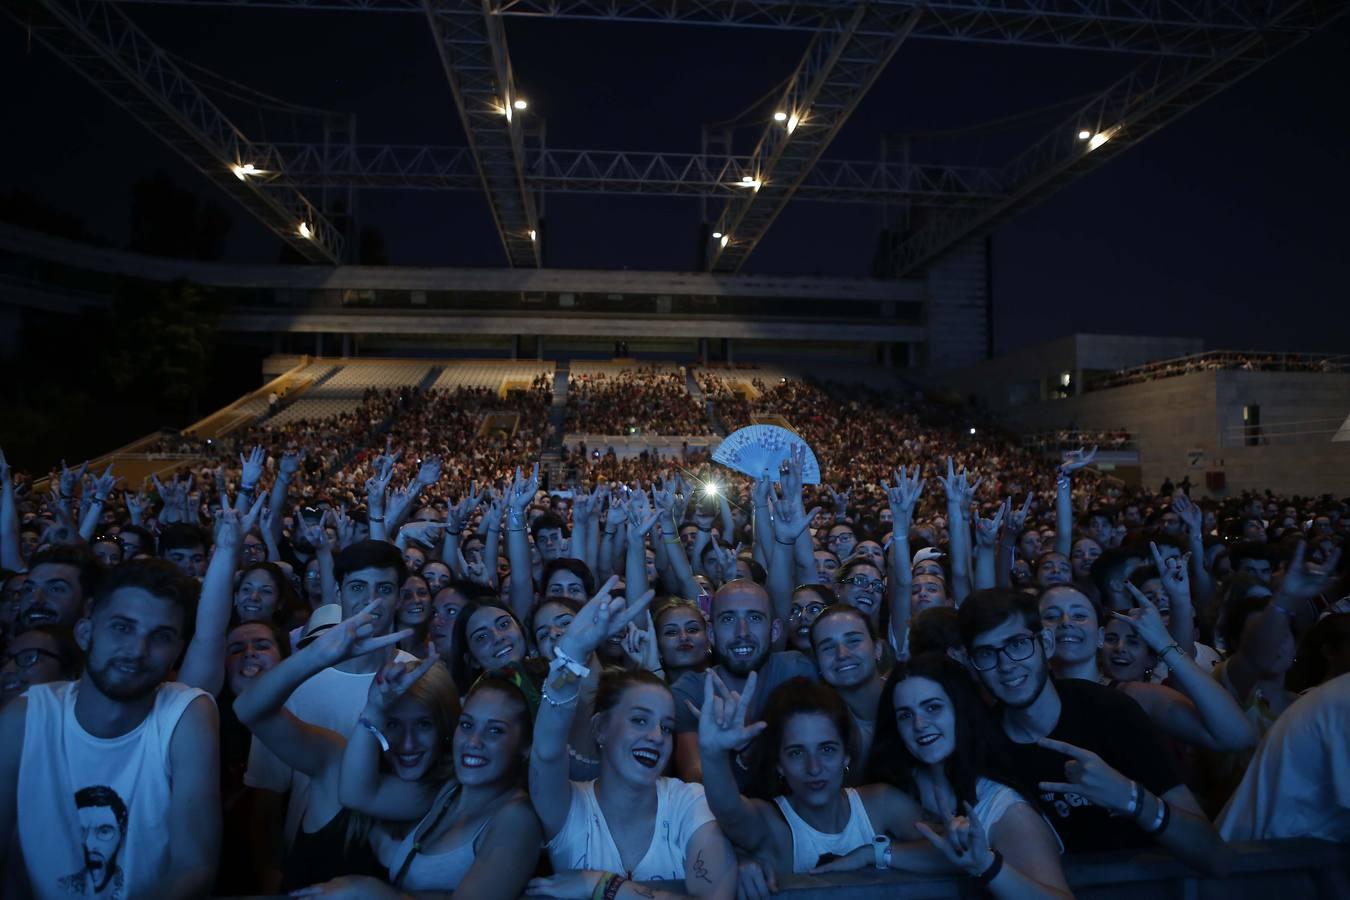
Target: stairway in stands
point(550, 461)
point(709, 407)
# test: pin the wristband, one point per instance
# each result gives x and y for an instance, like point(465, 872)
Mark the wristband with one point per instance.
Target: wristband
point(673, 541)
point(562, 661)
point(1171, 646)
point(98, 499)
point(881, 851)
point(990, 873)
point(379, 519)
point(379, 735)
point(1133, 808)
point(247, 488)
point(607, 888)
point(1160, 821)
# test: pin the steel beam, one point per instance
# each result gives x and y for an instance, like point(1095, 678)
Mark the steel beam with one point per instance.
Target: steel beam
point(838, 69)
point(472, 46)
point(397, 167)
point(102, 44)
point(1176, 27)
point(1155, 93)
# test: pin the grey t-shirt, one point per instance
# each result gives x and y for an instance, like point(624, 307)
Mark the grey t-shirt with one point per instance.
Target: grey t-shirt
point(778, 668)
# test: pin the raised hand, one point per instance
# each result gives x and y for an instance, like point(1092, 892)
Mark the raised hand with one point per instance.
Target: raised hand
point(986, 530)
point(839, 501)
point(314, 533)
point(963, 842)
point(354, 637)
point(1077, 459)
point(603, 615)
point(394, 678)
point(251, 468)
point(1017, 518)
point(721, 722)
point(1174, 573)
point(640, 646)
point(1189, 513)
point(429, 472)
point(1087, 775)
point(422, 532)
point(1305, 580)
point(70, 480)
point(346, 527)
point(522, 492)
point(290, 462)
point(641, 516)
point(103, 485)
point(457, 519)
point(903, 497)
point(1147, 621)
point(583, 504)
point(788, 519)
point(617, 512)
point(726, 562)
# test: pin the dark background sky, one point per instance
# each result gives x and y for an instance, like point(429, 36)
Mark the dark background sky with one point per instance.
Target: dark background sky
point(1229, 224)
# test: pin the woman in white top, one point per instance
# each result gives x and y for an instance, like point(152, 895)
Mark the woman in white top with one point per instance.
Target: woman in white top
point(466, 825)
point(806, 742)
point(630, 824)
point(935, 740)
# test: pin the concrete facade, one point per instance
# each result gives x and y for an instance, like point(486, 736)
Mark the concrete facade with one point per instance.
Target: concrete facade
point(1193, 425)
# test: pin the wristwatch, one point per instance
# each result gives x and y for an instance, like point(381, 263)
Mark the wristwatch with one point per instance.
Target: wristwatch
point(881, 849)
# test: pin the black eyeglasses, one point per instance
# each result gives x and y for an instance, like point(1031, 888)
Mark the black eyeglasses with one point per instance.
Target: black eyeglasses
point(811, 609)
point(26, 659)
point(871, 585)
point(1016, 649)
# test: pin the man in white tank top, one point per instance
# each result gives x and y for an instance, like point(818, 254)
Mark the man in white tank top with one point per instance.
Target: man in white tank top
point(112, 781)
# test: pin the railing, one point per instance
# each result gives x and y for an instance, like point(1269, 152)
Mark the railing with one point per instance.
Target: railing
point(1280, 432)
point(1059, 441)
point(1248, 361)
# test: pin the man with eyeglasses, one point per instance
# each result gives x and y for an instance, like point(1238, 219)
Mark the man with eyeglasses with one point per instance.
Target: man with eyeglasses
point(1106, 780)
point(38, 656)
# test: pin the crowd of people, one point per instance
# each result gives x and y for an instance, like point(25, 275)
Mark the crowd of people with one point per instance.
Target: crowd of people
point(638, 399)
point(410, 671)
point(1221, 359)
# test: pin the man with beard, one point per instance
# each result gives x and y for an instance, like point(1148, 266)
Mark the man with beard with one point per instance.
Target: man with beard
point(59, 580)
point(744, 632)
point(68, 749)
point(847, 654)
point(334, 698)
point(1106, 779)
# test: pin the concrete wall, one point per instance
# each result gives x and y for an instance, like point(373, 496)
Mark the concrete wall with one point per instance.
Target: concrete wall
point(1192, 424)
point(958, 307)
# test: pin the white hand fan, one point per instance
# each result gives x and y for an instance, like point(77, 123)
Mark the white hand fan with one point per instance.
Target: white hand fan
point(757, 450)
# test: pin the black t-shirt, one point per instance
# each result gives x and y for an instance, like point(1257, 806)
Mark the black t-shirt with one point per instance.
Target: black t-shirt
point(1116, 728)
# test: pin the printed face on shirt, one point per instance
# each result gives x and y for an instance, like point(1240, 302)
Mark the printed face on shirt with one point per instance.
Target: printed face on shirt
point(250, 650)
point(255, 600)
point(363, 586)
point(681, 638)
point(489, 742)
point(51, 595)
point(494, 639)
point(637, 735)
point(845, 653)
point(101, 837)
point(131, 643)
point(925, 718)
point(812, 758)
point(1069, 613)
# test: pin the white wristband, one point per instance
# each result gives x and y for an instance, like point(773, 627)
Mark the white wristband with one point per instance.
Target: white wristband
point(562, 661)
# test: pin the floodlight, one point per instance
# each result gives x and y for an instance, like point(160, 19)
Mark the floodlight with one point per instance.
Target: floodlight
point(780, 117)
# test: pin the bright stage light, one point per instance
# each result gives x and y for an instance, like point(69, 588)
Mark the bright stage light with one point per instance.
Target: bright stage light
point(521, 104)
point(1098, 139)
point(717, 235)
point(1084, 135)
point(780, 117)
point(711, 489)
point(725, 238)
point(242, 172)
point(305, 231)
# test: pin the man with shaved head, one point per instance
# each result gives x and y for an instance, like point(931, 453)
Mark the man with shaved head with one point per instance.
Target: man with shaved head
point(743, 632)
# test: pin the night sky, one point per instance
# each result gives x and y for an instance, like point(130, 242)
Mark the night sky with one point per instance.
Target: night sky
point(1229, 224)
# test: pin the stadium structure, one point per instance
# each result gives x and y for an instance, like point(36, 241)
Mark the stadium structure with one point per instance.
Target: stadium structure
point(333, 326)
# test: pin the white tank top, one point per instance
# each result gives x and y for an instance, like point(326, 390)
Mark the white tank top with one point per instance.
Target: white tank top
point(809, 845)
point(585, 841)
point(94, 809)
point(434, 870)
